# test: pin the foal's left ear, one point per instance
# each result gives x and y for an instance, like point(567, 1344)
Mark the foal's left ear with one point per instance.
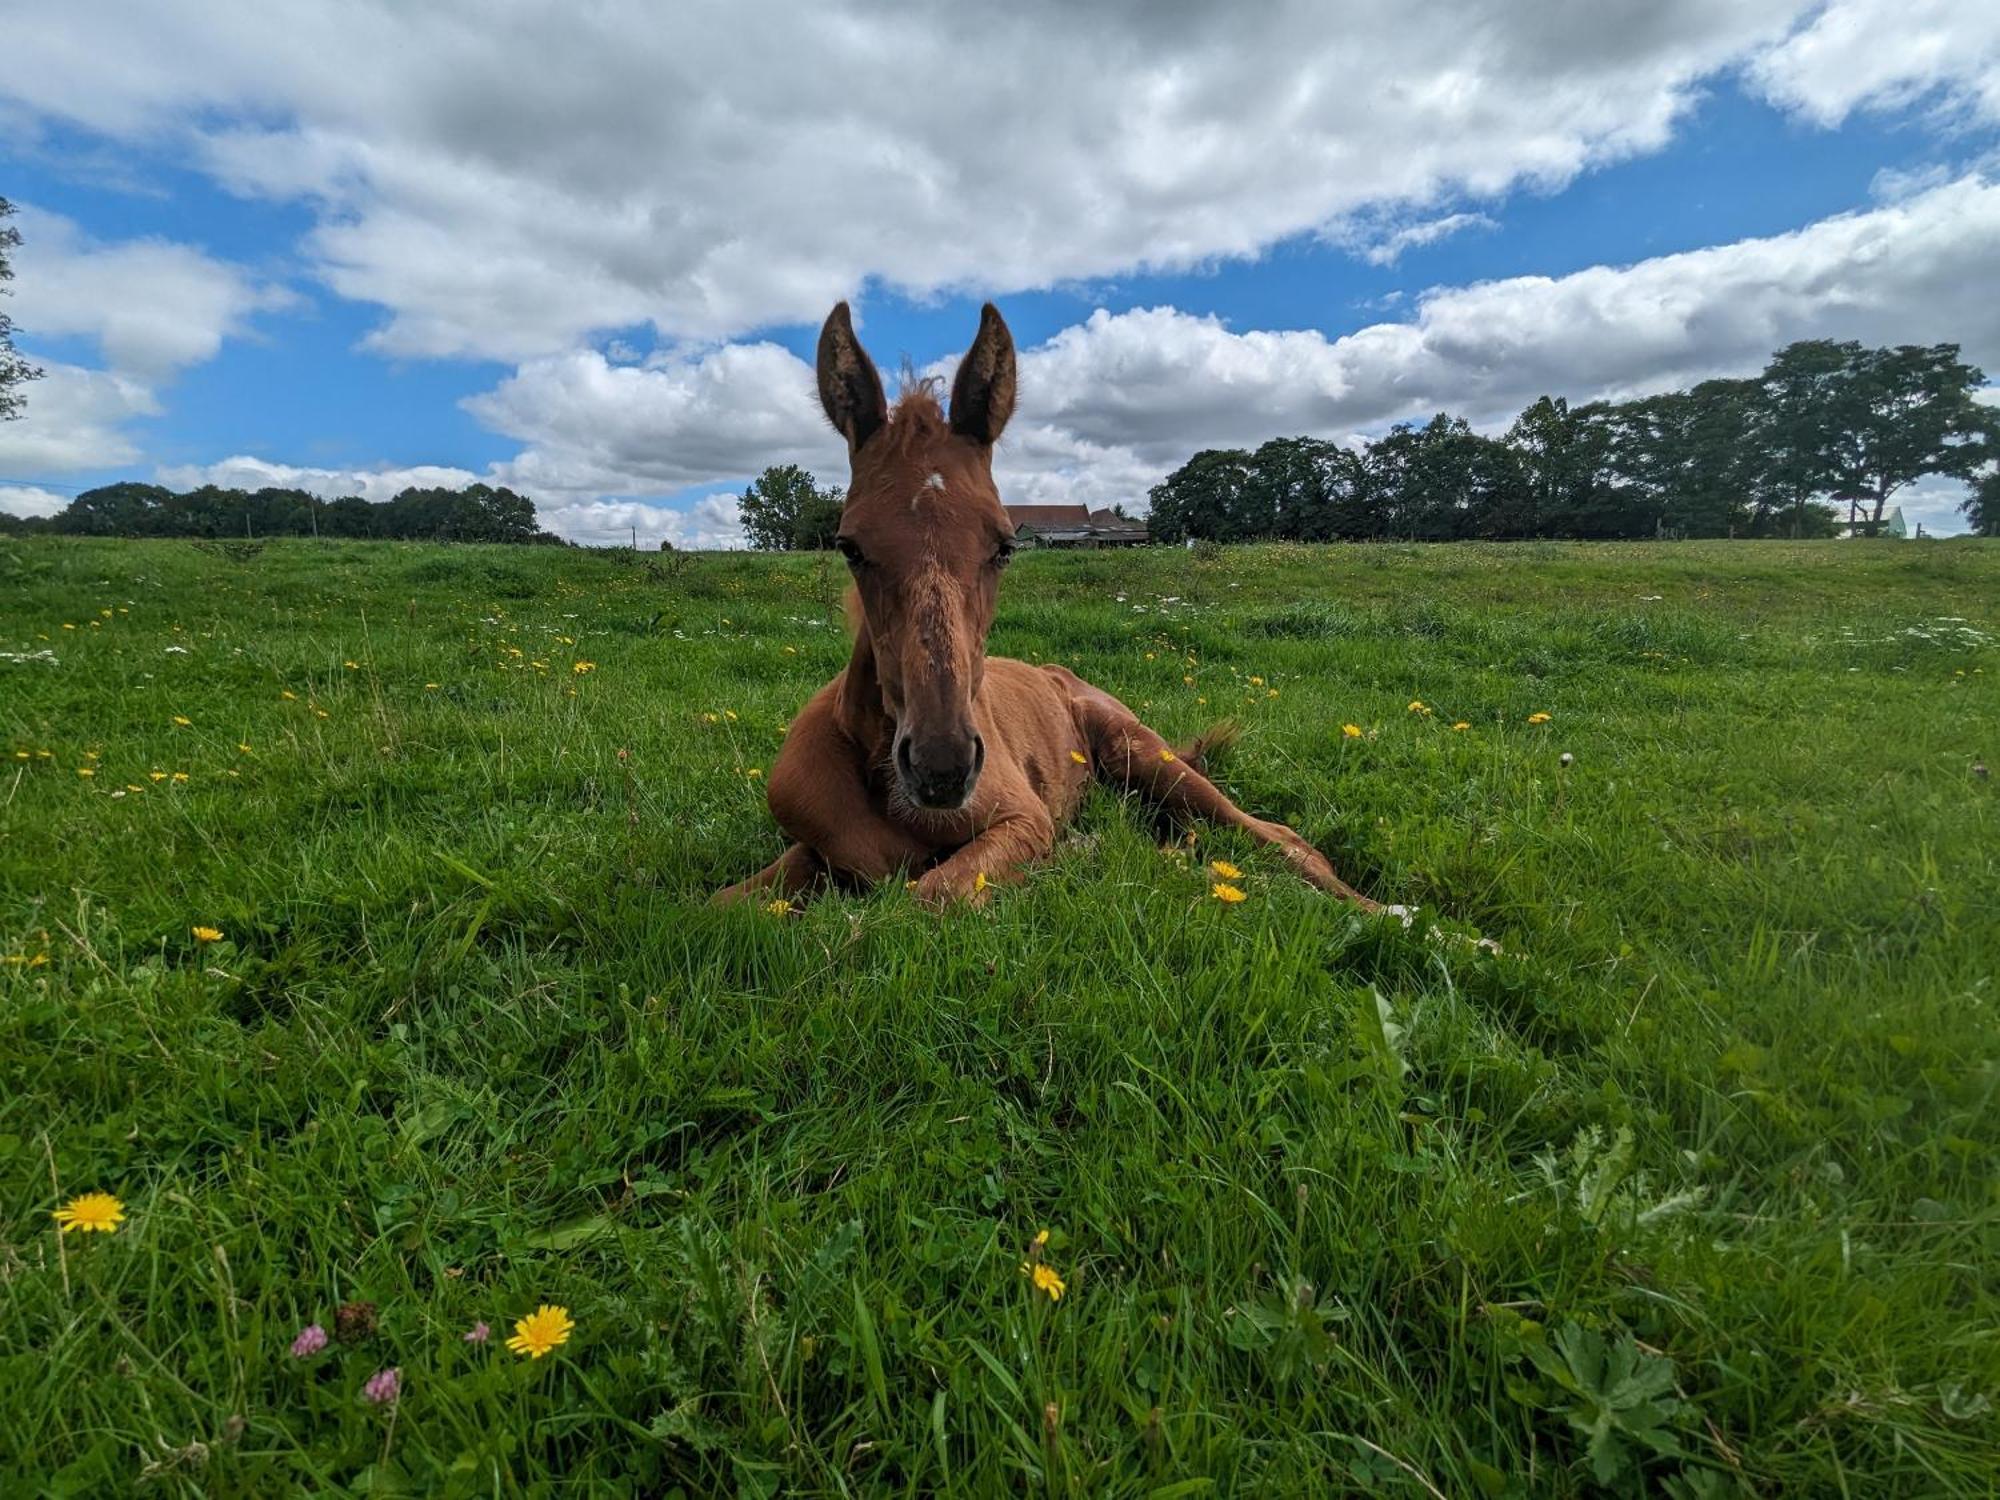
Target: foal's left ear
point(982, 397)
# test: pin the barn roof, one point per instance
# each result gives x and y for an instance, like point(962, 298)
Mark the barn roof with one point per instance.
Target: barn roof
point(1049, 517)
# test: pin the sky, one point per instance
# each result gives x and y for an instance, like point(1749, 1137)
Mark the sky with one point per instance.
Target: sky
point(585, 251)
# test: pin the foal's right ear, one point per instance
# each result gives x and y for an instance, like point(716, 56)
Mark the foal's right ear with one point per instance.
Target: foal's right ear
point(850, 390)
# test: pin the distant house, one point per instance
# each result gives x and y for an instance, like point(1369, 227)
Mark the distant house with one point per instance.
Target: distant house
point(1074, 526)
point(1859, 525)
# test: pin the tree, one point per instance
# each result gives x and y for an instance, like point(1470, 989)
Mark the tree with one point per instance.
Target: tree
point(1205, 498)
point(15, 371)
point(786, 510)
point(1900, 414)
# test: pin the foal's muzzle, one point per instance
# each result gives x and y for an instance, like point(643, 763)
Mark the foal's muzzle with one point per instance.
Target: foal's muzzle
point(940, 770)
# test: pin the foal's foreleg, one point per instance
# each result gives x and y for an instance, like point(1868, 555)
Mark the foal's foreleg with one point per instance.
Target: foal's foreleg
point(792, 873)
point(1130, 755)
point(997, 855)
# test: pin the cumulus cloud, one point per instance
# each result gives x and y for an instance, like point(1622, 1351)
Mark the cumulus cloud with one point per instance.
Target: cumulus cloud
point(153, 306)
point(243, 472)
point(506, 182)
point(1884, 54)
point(1384, 246)
point(75, 419)
point(30, 500)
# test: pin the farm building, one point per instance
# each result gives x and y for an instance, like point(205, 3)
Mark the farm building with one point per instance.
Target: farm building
point(1074, 526)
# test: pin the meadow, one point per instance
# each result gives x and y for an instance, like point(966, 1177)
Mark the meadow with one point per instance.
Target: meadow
point(353, 937)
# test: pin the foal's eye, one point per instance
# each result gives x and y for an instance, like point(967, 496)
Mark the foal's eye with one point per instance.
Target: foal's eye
point(848, 550)
point(1003, 555)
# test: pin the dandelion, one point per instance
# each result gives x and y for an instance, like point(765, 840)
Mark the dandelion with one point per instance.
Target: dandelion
point(754, 772)
point(352, 666)
point(1079, 757)
point(729, 714)
point(1187, 682)
point(1226, 893)
point(1168, 757)
point(180, 776)
point(1538, 718)
point(1225, 869)
point(92, 1213)
point(779, 908)
point(478, 1333)
point(311, 1339)
point(430, 687)
point(244, 746)
point(710, 719)
point(86, 772)
point(206, 934)
point(183, 721)
point(1045, 1279)
point(1417, 706)
point(979, 881)
point(1352, 731)
point(1460, 725)
point(288, 695)
point(156, 775)
point(1256, 682)
point(544, 1329)
point(384, 1386)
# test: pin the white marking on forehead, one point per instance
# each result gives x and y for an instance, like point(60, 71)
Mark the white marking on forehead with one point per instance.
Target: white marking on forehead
point(936, 481)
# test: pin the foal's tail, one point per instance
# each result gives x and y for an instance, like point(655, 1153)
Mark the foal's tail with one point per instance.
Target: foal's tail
point(1211, 744)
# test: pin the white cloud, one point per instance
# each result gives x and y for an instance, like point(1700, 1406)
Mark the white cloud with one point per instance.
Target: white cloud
point(75, 419)
point(1886, 54)
point(30, 500)
point(709, 523)
point(595, 428)
point(1384, 246)
point(243, 472)
point(153, 306)
point(505, 182)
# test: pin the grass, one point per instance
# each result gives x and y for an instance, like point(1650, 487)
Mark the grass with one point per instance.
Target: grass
point(1691, 1191)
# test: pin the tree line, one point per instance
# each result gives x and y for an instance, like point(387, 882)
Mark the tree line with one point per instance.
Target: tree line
point(1829, 433)
point(475, 513)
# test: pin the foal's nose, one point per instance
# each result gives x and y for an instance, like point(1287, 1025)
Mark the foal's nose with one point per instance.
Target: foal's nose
point(940, 770)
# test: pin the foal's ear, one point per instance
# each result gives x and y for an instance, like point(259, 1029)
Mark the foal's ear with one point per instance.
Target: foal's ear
point(982, 397)
point(850, 390)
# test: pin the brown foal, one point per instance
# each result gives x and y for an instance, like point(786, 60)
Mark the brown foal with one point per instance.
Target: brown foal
point(926, 757)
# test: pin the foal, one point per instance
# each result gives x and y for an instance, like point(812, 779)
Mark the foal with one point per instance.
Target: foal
point(925, 756)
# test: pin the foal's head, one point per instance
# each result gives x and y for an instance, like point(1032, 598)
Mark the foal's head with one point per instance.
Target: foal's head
point(926, 537)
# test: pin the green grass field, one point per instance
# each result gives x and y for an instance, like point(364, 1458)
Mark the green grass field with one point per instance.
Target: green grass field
point(1692, 1191)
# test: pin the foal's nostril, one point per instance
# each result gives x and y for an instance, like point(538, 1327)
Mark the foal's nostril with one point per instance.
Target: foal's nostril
point(978, 752)
point(903, 761)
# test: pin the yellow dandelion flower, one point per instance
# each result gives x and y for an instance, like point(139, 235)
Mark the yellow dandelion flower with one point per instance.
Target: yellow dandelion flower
point(1225, 869)
point(86, 772)
point(206, 934)
point(710, 719)
point(1270, 692)
point(1187, 682)
point(91, 1213)
point(1042, 1239)
point(430, 687)
point(352, 666)
point(779, 908)
point(1228, 894)
point(979, 881)
point(183, 721)
point(1417, 706)
point(1079, 757)
point(1352, 731)
point(729, 714)
point(1168, 756)
point(1044, 1276)
point(180, 776)
point(1461, 724)
point(1538, 718)
point(288, 695)
point(244, 746)
point(544, 1329)
point(322, 713)
point(754, 772)
point(580, 667)
point(1151, 654)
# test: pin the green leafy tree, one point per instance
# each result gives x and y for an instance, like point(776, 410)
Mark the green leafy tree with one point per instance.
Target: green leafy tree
point(1206, 498)
point(1902, 414)
point(15, 371)
point(786, 510)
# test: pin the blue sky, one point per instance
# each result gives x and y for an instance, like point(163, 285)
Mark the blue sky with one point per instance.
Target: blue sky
point(236, 269)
